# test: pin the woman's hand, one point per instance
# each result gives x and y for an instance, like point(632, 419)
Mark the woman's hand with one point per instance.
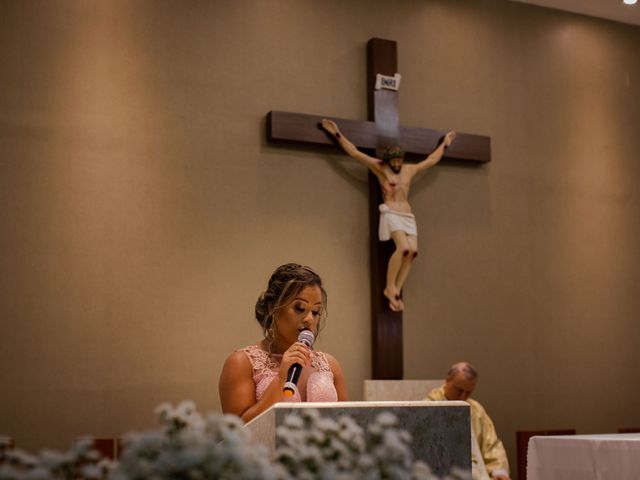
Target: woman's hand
point(296, 353)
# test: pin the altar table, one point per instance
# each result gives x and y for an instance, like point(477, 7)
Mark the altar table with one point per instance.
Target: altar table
point(584, 457)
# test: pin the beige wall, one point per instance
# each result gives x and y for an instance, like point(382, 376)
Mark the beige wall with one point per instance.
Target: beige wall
point(141, 210)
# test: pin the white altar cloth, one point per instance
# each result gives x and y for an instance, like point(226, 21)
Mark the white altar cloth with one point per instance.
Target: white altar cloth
point(584, 457)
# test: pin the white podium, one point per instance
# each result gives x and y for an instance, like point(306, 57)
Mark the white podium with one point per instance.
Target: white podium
point(440, 430)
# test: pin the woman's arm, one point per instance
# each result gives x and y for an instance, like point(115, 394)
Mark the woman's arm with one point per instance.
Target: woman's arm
point(236, 385)
point(338, 378)
point(238, 390)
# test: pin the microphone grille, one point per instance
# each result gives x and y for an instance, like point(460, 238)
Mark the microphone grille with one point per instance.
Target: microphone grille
point(307, 337)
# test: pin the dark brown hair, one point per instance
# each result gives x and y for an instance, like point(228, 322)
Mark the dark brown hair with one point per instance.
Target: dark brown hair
point(284, 285)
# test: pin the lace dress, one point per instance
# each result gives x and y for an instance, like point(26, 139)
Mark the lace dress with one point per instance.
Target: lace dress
point(315, 383)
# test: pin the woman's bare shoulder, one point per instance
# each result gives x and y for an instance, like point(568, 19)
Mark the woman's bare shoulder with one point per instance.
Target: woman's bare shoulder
point(333, 362)
point(238, 360)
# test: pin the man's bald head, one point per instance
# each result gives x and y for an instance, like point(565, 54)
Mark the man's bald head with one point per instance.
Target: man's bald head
point(460, 381)
point(465, 368)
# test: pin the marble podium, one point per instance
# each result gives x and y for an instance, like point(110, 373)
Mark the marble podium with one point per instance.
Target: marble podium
point(375, 390)
point(440, 430)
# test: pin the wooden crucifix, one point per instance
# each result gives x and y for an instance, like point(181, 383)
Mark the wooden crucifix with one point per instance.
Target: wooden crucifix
point(382, 130)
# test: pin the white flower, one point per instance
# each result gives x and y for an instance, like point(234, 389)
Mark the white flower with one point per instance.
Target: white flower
point(5, 441)
point(21, 458)
point(91, 472)
point(387, 419)
point(186, 408)
point(421, 471)
point(293, 421)
point(163, 411)
point(38, 473)
point(310, 414)
point(327, 425)
point(458, 474)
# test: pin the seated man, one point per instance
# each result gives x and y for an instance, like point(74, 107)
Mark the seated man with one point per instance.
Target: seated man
point(459, 384)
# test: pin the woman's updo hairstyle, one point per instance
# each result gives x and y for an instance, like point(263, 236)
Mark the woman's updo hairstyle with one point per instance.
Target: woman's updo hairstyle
point(284, 285)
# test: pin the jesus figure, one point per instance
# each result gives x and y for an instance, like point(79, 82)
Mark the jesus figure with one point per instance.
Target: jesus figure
point(397, 222)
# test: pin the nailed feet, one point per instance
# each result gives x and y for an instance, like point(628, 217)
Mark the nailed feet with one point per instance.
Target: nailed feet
point(395, 302)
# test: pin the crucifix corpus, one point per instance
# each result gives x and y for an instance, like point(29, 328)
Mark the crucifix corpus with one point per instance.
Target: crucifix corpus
point(382, 132)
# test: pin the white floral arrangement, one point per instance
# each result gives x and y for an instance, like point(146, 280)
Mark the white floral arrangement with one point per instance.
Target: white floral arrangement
point(188, 446)
point(310, 446)
point(79, 462)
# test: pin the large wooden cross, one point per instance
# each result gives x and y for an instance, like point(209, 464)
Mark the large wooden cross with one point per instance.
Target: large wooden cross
point(382, 130)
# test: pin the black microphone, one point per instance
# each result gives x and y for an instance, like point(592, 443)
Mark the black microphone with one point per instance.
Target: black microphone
point(305, 336)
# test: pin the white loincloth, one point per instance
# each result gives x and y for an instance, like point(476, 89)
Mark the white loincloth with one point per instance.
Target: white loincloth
point(392, 221)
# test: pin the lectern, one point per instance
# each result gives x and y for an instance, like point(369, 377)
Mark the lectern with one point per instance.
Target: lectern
point(440, 430)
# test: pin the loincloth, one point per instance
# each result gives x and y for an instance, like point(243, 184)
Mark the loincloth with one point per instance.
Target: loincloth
point(392, 221)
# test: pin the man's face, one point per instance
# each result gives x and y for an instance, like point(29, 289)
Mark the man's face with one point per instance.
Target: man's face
point(396, 164)
point(458, 387)
point(394, 156)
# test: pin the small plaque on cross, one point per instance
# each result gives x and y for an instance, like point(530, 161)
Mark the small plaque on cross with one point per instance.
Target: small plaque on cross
point(387, 82)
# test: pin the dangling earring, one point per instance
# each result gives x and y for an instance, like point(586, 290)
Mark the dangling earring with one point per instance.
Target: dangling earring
point(271, 335)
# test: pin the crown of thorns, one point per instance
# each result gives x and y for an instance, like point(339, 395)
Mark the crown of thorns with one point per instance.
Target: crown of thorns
point(392, 152)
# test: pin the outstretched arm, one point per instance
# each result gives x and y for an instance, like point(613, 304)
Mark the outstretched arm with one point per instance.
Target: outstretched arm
point(435, 156)
point(371, 163)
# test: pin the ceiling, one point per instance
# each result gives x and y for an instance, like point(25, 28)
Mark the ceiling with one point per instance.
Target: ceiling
point(609, 9)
